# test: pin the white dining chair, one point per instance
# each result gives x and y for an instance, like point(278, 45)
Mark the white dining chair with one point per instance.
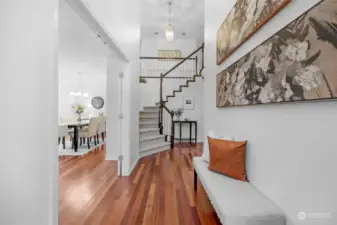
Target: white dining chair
point(91, 132)
point(101, 127)
point(63, 133)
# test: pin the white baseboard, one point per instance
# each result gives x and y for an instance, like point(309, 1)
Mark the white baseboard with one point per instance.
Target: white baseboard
point(111, 158)
point(133, 166)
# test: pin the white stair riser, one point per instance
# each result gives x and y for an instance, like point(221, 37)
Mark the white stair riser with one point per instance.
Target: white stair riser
point(148, 134)
point(151, 120)
point(154, 151)
point(143, 144)
point(153, 112)
point(153, 108)
point(148, 125)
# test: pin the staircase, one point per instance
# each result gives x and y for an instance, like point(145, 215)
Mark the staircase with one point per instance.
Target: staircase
point(150, 139)
point(181, 87)
point(156, 123)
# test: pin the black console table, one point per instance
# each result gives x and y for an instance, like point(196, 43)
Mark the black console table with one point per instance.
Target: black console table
point(190, 123)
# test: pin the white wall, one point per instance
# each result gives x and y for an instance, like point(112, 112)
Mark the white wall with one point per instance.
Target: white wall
point(196, 91)
point(93, 84)
point(122, 21)
point(292, 149)
point(150, 90)
point(114, 124)
point(28, 115)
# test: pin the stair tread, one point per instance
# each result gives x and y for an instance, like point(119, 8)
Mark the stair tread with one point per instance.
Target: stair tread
point(148, 123)
point(149, 138)
point(149, 117)
point(144, 112)
point(146, 130)
point(150, 107)
point(154, 146)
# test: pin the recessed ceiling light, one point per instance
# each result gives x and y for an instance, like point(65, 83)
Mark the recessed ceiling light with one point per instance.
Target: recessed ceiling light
point(183, 33)
point(156, 33)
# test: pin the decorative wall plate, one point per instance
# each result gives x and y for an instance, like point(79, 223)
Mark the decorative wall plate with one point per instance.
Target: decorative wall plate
point(97, 102)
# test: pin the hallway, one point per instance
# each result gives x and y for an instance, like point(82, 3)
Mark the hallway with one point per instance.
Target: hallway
point(160, 191)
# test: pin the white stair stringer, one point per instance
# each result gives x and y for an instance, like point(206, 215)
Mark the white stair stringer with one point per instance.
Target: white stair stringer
point(150, 139)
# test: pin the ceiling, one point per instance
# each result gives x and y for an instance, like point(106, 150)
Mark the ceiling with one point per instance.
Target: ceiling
point(80, 50)
point(187, 16)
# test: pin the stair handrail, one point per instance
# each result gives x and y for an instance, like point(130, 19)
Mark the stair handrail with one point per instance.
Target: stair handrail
point(186, 58)
point(162, 105)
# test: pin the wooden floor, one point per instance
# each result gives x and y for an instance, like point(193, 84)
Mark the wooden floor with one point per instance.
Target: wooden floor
point(159, 192)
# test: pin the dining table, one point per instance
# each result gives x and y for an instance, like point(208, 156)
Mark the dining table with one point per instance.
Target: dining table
point(76, 126)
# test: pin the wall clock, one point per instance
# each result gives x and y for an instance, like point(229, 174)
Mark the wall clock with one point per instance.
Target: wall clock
point(97, 102)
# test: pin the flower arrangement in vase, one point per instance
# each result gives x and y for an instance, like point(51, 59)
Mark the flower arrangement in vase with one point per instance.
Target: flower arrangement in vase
point(79, 109)
point(178, 113)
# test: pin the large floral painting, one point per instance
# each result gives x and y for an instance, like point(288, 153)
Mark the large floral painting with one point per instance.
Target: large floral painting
point(246, 17)
point(298, 63)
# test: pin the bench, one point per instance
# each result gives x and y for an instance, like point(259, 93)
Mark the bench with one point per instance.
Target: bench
point(236, 202)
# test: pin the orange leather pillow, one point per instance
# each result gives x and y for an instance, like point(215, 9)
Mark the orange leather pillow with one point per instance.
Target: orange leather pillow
point(228, 158)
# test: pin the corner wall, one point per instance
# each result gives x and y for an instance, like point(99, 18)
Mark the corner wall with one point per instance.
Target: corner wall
point(292, 154)
point(122, 21)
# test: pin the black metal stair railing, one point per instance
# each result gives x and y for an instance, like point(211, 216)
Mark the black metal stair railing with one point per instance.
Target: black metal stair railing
point(166, 116)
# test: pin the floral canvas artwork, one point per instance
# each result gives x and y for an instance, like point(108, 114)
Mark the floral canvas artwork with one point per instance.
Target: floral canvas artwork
point(246, 17)
point(296, 64)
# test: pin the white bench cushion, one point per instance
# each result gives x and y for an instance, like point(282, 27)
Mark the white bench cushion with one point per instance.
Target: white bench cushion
point(237, 202)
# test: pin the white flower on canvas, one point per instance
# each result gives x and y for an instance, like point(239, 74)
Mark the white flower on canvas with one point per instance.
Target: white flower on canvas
point(264, 63)
point(309, 77)
point(262, 51)
point(297, 51)
point(229, 95)
point(239, 85)
point(258, 7)
point(235, 41)
point(267, 94)
point(228, 77)
point(285, 85)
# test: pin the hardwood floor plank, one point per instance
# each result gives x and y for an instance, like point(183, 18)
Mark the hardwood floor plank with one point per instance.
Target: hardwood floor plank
point(147, 219)
point(158, 192)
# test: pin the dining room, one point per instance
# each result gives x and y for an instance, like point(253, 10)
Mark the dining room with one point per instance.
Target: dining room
point(82, 78)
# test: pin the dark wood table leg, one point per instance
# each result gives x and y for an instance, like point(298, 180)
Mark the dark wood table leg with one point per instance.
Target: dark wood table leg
point(180, 131)
point(75, 139)
point(196, 133)
point(190, 133)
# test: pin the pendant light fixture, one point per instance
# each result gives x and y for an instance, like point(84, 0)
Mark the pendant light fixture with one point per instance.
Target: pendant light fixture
point(169, 32)
point(78, 93)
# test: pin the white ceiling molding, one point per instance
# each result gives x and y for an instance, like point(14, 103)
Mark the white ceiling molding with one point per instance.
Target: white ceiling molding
point(84, 11)
point(80, 50)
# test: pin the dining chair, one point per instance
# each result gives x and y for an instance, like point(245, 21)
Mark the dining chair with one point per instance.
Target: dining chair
point(91, 132)
point(101, 127)
point(63, 133)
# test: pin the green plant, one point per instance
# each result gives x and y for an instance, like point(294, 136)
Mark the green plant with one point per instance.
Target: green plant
point(78, 108)
point(178, 112)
